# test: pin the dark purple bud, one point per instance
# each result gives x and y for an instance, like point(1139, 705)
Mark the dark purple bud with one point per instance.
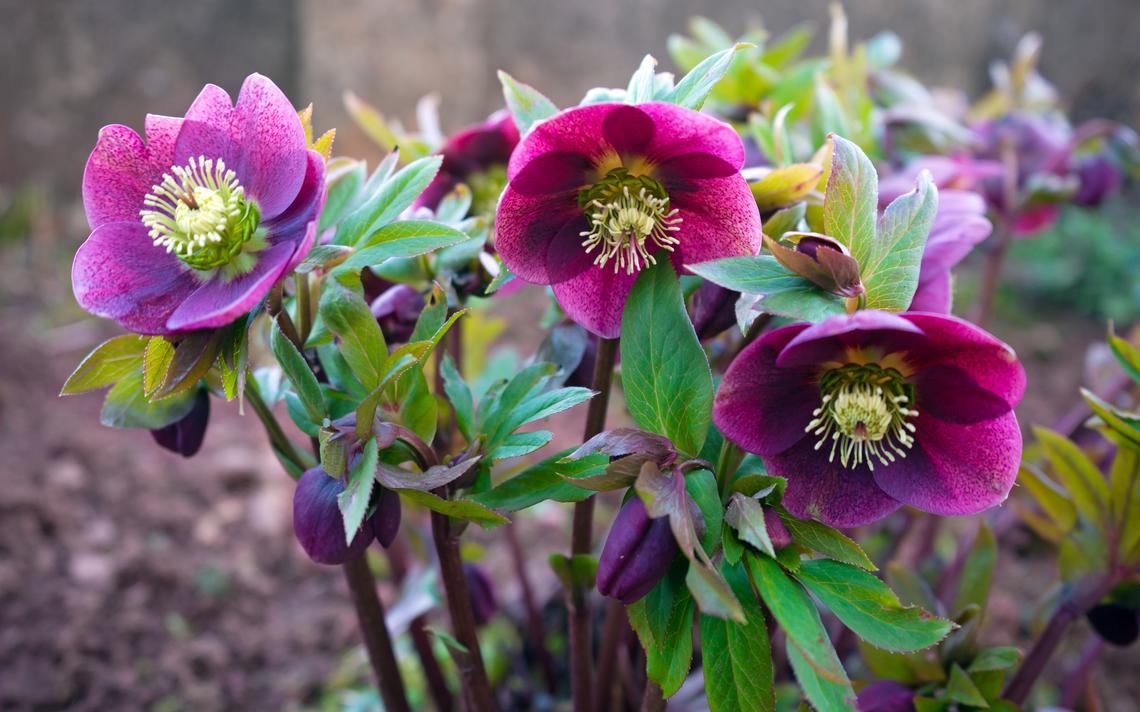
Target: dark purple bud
point(637, 553)
point(583, 374)
point(185, 436)
point(822, 259)
point(777, 532)
point(386, 521)
point(397, 310)
point(885, 696)
point(1115, 623)
point(1099, 178)
point(317, 521)
point(482, 593)
point(713, 310)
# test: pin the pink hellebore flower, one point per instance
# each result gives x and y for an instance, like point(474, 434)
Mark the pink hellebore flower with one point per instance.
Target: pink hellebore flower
point(476, 156)
point(598, 192)
point(865, 412)
point(190, 229)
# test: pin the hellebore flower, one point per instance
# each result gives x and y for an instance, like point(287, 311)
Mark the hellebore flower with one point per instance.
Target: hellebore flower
point(598, 192)
point(865, 412)
point(386, 521)
point(191, 228)
point(484, 604)
point(1116, 623)
point(185, 436)
point(317, 521)
point(823, 260)
point(712, 310)
point(637, 553)
point(397, 310)
point(885, 696)
point(1099, 178)
point(476, 156)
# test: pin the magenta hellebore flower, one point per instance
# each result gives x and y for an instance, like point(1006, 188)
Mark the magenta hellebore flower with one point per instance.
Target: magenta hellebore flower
point(476, 156)
point(865, 412)
point(190, 229)
point(597, 192)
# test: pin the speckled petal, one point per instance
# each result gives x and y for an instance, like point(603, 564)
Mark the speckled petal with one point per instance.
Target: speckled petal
point(595, 299)
point(208, 129)
point(720, 220)
point(681, 131)
point(273, 139)
point(291, 224)
point(551, 173)
point(530, 230)
point(956, 469)
point(218, 302)
point(119, 274)
point(827, 491)
point(761, 408)
point(990, 362)
point(948, 393)
point(866, 329)
point(119, 173)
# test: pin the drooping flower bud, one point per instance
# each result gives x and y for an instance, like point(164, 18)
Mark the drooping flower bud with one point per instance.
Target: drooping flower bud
point(637, 553)
point(185, 436)
point(1099, 178)
point(317, 521)
point(1116, 623)
point(713, 310)
point(385, 522)
point(822, 259)
point(484, 604)
point(777, 532)
point(397, 309)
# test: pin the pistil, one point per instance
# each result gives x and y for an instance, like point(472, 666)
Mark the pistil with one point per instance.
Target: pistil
point(630, 219)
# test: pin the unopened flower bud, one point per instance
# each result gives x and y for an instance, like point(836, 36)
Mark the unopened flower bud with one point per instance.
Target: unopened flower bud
point(1115, 623)
point(637, 553)
point(397, 309)
point(385, 522)
point(482, 593)
point(1099, 178)
point(713, 310)
point(185, 436)
point(822, 259)
point(318, 523)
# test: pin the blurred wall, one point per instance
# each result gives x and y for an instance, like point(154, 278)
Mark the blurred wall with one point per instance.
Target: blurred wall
point(69, 66)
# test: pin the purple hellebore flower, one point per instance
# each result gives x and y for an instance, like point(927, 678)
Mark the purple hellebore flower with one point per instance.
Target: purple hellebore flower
point(865, 412)
point(396, 310)
point(317, 521)
point(386, 521)
point(476, 156)
point(885, 696)
point(190, 229)
point(637, 553)
point(596, 192)
point(185, 436)
point(1099, 178)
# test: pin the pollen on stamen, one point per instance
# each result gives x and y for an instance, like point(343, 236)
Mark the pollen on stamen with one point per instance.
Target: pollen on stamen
point(863, 414)
point(622, 225)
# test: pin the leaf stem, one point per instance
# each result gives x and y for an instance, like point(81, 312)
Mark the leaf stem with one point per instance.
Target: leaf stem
point(281, 442)
point(304, 305)
point(577, 603)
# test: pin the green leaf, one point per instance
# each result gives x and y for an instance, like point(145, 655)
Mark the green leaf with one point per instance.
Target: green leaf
point(576, 572)
point(785, 186)
point(343, 189)
point(1052, 498)
point(527, 105)
point(1081, 477)
point(156, 362)
point(665, 372)
point(786, 220)
point(890, 268)
point(394, 196)
point(663, 621)
point(1125, 353)
point(519, 444)
point(406, 238)
point(419, 409)
point(737, 657)
point(353, 501)
point(466, 509)
point(548, 479)
point(324, 257)
point(809, 649)
point(702, 489)
point(641, 84)
point(1123, 479)
point(1124, 428)
point(825, 540)
point(746, 516)
point(850, 204)
point(1000, 658)
point(361, 341)
point(542, 405)
point(712, 593)
point(781, 292)
point(977, 571)
point(961, 689)
point(109, 362)
point(127, 406)
point(460, 396)
point(695, 86)
point(869, 608)
point(300, 375)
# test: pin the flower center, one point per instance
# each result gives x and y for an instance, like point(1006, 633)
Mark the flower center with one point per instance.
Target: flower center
point(864, 414)
point(200, 213)
point(486, 187)
point(625, 213)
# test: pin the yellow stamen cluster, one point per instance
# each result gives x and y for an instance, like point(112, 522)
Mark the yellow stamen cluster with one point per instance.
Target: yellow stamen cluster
point(622, 223)
point(865, 416)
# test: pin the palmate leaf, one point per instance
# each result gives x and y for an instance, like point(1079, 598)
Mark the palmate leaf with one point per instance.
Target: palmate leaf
point(781, 292)
point(353, 501)
point(361, 342)
point(550, 479)
point(109, 362)
point(695, 86)
point(825, 540)
point(393, 196)
point(405, 238)
point(737, 657)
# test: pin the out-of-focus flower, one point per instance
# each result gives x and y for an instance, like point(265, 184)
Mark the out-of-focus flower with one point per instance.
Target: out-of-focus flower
point(1099, 178)
point(885, 696)
point(397, 309)
point(946, 172)
point(317, 521)
point(1116, 623)
point(476, 156)
point(599, 192)
point(865, 412)
point(192, 228)
point(185, 436)
point(484, 604)
point(386, 520)
point(637, 553)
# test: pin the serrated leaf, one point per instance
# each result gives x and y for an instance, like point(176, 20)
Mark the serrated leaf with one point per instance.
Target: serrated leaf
point(394, 196)
point(460, 396)
point(850, 204)
point(465, 509)
point(549, 479)
point(890, 268)
point(126, 406)
point(695, 86)
point(397, 478)
point(737, 657)
point(405, 238)
point(353, 501)
point(297, 369)
point(527, 105)
point(746, 516)
point(869, 608)
point(107, 363)
point(825, 540)
point(663, 620)
point(361, 341)
point(665, 372)
point(712, 593)
point(519, 444)
point(777, 290)
point(641, 84)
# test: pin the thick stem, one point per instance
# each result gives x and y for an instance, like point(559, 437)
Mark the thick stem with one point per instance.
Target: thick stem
point(654, 700)
point(1003, 229)
point(577, 603)
point(1046, 644)
point(370, 615)
point(533, 614)
point(417, 629)
point(476, 689)
point(613, 633)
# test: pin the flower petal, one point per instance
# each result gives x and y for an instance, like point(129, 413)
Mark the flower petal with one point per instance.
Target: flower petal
point(956, 469)
point(218, 302)
point(595, 299)
point(577, 131)
point(628, 129)
point(119, 173)
point(290, 224)
point(992, 364)
point(865, 329)
point(274, 155)
point(554, 172)
point(207, 130)
point(761, 408)
point(681, 131)
point(721, 220)
point(827, 491)
point(948, 393)
point(119, 274)
point(934, 293)
point(538, 237)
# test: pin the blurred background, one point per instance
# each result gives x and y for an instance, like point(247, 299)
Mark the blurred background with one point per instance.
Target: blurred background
point(132, 580)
